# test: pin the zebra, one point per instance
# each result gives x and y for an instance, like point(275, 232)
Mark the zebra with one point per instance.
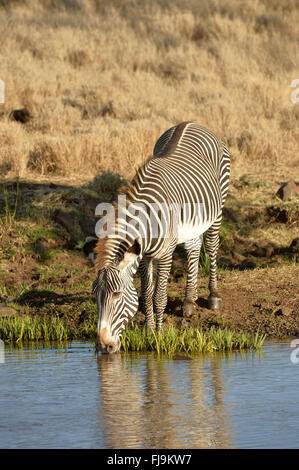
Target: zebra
point(189, 169)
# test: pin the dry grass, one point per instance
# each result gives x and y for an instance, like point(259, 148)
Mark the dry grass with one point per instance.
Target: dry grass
point(102, 80)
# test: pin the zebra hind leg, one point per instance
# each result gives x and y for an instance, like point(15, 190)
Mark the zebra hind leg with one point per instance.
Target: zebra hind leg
point(212, 245)
point(193, 251)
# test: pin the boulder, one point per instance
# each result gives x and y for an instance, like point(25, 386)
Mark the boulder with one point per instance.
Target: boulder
point(225, 263)
point(294, 246)
point(20, 115)
point(264, 251)
point(247, 264)
point(65, 219)
point(238, 257)
point(288, 190)
point(87, 225)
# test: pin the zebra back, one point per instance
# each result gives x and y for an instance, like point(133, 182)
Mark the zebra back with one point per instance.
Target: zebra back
point(182, 139)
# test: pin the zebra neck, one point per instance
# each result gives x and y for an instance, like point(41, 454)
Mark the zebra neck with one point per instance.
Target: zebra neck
point(123, 253)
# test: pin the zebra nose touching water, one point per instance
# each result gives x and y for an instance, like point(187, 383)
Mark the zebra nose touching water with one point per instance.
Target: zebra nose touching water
point(175, 197)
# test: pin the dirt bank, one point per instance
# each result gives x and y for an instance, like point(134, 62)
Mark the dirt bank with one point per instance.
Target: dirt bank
point(45, 272)
point(264, 300)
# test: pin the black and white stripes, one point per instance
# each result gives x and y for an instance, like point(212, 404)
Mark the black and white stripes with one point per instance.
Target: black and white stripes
point(174, 198)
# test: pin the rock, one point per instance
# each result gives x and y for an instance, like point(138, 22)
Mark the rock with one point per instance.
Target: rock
point(39, 247)
point(264, 251)
point(6, 311)
point(238, 257)
point(225, 263)
point(294, 246)
point(65, 219)
point(259, 252)
point(21, 115)
point(247, 264)
point(91, 204)
point(269, 250)
point(87, 225)
point(288, 190)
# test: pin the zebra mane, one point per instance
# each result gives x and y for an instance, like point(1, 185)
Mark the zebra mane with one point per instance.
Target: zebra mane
point(104, 247)
point(101, 253)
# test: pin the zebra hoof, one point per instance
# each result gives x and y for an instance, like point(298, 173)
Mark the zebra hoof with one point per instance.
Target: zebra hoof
point(214, 303)
point(188, 308)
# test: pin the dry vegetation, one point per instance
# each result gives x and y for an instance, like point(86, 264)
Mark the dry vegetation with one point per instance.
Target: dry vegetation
point(102, 79)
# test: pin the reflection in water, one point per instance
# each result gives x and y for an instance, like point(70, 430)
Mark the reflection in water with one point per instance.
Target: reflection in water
point(67, 396)
point(120, 403)
point(152, 403)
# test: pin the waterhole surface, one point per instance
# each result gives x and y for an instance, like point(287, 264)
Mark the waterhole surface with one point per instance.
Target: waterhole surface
point(70, 397)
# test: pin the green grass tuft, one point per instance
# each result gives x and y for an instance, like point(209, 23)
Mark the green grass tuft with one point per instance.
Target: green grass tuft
point(33, 329)
point(190, 340)
point(170, 341)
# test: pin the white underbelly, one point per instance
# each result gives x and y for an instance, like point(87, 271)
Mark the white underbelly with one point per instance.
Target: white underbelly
point(187, 232)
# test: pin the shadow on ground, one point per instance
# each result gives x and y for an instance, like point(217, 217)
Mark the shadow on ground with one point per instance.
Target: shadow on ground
point(40, 298)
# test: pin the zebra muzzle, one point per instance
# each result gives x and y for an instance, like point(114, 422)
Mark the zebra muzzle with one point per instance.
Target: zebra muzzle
point(106, 344)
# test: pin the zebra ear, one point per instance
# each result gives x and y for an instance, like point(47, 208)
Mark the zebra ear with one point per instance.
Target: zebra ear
point(130, 255)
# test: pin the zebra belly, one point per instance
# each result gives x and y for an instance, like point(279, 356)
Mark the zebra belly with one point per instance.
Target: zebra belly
point(186, 232)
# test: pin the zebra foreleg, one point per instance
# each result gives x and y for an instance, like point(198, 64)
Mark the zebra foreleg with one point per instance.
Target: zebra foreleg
point(193, 251)
point(147, 289)
point(211, 246)
point(160, 294)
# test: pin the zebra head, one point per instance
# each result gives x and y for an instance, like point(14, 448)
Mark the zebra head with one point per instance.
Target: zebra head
point(117, 301)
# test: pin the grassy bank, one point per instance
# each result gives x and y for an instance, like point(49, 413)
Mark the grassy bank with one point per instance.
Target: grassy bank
point(191, 340)
point(172, 340)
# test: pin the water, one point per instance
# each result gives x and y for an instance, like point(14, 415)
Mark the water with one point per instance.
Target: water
point(70, 397)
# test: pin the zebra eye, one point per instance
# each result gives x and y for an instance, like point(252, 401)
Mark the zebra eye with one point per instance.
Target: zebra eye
point(116, 295)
